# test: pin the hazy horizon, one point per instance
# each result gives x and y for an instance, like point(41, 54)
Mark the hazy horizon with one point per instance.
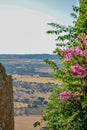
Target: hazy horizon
point(23, 24)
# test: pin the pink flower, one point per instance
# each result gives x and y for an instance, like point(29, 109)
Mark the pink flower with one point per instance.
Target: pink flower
point(66, 95)
point(76, 94)
point(68, 55)
point(85, 35)
point(80, 52)
point(69, 96)
point(78, 70)
point(85, 41)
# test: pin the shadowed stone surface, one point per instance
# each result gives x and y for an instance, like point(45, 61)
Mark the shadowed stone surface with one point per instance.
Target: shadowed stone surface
point(6, 101)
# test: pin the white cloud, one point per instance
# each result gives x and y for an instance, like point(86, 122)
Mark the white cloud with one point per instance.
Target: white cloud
point(24, 31)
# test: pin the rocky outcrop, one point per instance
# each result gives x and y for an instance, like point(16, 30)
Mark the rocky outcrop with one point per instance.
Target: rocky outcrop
point(6, 101)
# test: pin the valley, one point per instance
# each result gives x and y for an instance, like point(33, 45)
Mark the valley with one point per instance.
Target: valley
point(32, 85)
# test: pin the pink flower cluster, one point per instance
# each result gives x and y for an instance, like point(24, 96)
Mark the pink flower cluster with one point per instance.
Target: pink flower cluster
point(78, 70)
point(69, 96)
point(85, 41)
point(66, 95)
point(70, 52)
point(68, 55)
point(80, 52)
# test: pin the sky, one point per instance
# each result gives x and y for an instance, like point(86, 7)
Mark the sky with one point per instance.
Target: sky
point(23, 24)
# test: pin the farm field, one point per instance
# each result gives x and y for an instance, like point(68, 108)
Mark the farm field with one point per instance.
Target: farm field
point(35, 79)
point(26, 122)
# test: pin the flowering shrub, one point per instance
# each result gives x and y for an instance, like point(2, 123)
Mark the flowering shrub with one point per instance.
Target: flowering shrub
point(73, 100)
point(69, 110)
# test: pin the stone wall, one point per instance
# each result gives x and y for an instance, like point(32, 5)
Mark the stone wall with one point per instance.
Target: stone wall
point(6, 101)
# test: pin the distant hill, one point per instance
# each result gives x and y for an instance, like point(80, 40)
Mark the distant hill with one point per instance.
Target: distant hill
point(30, 56)
point(28, 64)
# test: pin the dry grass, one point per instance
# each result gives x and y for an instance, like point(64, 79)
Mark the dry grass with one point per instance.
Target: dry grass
point(35, 79)
point(26, 122)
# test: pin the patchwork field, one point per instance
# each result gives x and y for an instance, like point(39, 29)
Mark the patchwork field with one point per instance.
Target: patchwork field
point(26, 122)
